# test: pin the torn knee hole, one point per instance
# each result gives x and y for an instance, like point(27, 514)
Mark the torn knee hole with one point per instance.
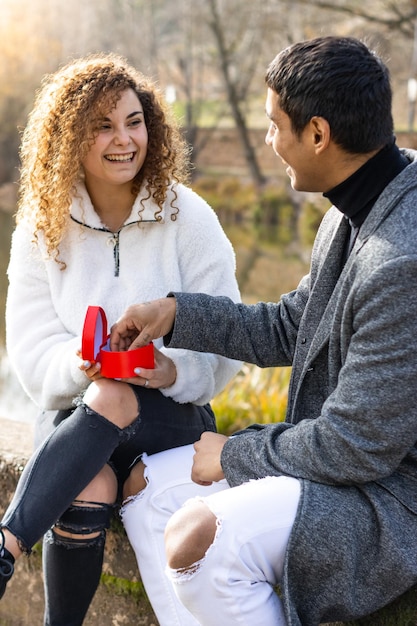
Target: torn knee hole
point(82, 524)
point(185, 573)
point(129, 499)
point(70, 541)
point(182, 574)
point(136, 482)
point(188, 549)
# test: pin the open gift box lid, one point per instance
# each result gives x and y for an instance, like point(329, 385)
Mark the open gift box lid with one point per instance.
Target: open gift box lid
point(95, 347)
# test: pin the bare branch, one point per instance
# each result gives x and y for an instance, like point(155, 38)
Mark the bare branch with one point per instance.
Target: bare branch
point(393, 18)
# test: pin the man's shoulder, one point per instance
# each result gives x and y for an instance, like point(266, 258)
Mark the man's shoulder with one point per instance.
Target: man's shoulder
point(410, 154)
point(403, 188)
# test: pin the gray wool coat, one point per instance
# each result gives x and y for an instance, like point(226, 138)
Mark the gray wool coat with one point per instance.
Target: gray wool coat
point(351, 428)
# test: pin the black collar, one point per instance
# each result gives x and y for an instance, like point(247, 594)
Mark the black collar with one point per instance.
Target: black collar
point(356, 195)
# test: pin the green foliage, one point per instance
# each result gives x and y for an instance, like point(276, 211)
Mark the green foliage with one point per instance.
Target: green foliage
point(271, 210)
point(229, 198)
point(254, 395)
point(310, 219)
point(274, 207)
point(124, 587)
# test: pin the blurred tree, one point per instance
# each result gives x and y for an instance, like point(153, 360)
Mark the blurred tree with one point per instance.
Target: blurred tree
point(236, 82)
point(36, 38)
point(389, 26)
point(398, 15)
point(23, 62)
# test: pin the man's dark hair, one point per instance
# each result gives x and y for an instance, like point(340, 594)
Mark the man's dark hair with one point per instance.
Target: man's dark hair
point(341, 80)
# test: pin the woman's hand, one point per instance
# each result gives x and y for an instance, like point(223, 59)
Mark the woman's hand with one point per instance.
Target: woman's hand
point(91, 370)
point(163, 375)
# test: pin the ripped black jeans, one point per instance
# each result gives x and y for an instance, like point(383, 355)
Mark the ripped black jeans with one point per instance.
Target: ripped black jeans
point(73, 454)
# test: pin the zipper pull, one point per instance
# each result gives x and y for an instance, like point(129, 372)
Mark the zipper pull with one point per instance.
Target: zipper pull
point(113, 240)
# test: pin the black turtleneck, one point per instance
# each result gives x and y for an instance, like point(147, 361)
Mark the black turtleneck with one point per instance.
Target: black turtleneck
point(356, 195)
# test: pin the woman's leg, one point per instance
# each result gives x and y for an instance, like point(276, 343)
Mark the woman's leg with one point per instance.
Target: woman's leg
point(167, 482)
point(232, 545)
point(163, 423)
point(73, 552)
point(68, 460)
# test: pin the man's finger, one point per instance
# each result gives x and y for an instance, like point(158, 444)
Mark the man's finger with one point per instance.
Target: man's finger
point(143, 339)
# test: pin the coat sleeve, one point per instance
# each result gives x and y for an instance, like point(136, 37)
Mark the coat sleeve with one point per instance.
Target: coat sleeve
point(368, 423)
point(264, 334)
point(48, 371)
point(207, 265)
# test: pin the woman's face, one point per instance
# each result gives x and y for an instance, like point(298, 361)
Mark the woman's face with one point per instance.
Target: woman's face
point(119, 150)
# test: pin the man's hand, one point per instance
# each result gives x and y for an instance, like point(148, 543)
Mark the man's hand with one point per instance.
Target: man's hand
point(141, 323)
point(206, 467)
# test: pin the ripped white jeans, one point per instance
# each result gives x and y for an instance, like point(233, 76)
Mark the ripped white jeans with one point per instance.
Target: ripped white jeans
point(234, 583)
point(145, 516)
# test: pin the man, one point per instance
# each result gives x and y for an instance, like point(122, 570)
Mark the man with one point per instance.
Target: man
point(325, 504)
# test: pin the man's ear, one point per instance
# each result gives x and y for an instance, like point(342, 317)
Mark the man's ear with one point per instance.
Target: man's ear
point(320, 133)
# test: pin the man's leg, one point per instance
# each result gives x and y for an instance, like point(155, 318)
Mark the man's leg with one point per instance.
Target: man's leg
point(166, 486)
point(226, 552)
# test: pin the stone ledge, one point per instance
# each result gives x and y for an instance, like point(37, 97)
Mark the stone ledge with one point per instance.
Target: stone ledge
point(120, 599)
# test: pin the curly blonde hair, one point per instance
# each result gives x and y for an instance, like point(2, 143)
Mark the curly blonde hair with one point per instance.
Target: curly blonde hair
point(62, 127)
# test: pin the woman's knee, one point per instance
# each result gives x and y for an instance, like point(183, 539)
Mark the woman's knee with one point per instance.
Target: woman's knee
point(113, 399)
point(103, 488)
point(189, 534)
point(89, 515)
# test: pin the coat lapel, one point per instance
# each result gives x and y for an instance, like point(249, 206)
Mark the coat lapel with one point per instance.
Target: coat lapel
point(319, 311)
point(325, 292)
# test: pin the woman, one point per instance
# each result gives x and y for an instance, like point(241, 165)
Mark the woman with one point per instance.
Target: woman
point(104, 219)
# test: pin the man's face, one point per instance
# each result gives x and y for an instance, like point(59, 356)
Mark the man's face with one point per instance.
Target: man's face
point(296, 152)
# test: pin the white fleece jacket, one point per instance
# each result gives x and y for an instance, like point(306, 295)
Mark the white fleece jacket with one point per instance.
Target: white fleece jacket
point(46, 306)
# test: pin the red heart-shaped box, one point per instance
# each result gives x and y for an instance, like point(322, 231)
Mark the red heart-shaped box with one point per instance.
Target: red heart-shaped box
point(96, 348)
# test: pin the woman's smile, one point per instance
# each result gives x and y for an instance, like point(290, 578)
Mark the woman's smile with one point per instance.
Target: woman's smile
point(121, 158)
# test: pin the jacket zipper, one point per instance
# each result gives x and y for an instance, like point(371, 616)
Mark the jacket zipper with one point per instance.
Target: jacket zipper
point(114, 240)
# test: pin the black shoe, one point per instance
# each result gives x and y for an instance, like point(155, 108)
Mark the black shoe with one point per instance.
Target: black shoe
point(6, 565)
